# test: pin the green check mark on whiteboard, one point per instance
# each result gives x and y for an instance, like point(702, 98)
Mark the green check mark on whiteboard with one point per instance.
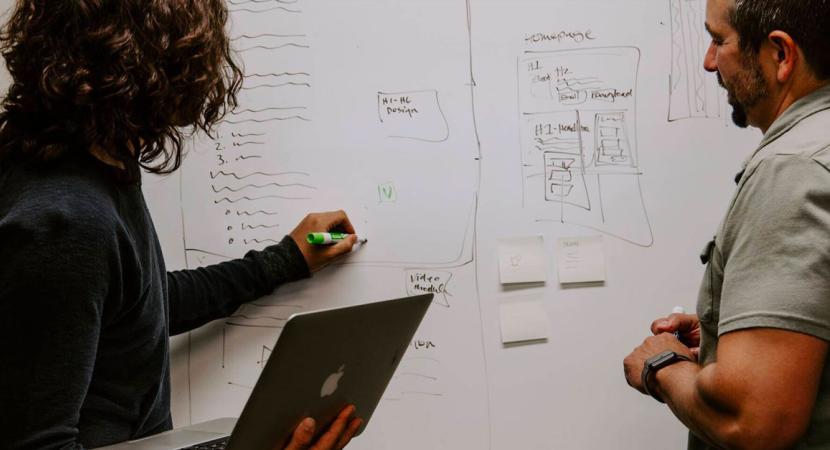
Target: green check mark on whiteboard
point(387, 193)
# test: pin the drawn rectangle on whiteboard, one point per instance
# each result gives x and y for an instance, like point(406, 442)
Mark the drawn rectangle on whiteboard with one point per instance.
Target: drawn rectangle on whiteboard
point(581, 260)
point(609, 132)
point(523, 322)
point(522, 260)
point(413, 115)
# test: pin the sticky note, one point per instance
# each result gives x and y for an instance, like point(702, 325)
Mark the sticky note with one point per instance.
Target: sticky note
point(523, 321)
point(580, 260)
point(522, 260)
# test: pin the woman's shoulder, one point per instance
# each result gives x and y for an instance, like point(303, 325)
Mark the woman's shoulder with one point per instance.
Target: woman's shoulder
point(68, 198)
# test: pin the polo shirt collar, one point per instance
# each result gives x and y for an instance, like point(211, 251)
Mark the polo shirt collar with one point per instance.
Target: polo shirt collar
point(812, 103)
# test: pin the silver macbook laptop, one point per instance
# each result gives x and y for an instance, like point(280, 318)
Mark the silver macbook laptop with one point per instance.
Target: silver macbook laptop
point(323, 361)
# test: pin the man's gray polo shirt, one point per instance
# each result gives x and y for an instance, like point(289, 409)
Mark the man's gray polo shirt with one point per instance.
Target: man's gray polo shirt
point(770, 262)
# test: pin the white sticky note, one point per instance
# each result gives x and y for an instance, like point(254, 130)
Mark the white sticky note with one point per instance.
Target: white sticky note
point(522, 260)
point(581, 260)
point(523, 321)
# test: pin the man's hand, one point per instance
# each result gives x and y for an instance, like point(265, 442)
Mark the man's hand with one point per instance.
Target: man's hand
point(318, 256)
point(652, 346)
point(687, 325)
point(337, 437)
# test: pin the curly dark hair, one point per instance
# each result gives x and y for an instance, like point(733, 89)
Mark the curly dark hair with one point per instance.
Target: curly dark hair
point(124, 76)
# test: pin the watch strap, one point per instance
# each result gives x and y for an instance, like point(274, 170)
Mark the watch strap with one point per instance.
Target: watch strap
point(655, 363)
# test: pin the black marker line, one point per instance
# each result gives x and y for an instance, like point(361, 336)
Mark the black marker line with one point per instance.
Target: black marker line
point(259, 241)
point(272, 119)
point(431, 394)
point(253, 199)
point(255, 11)
point(423, 358)
point(281, 74)
point(262, 353)
point(259, 186)
point(267, 35)
point(275, 47)
point(249, 213)
point(249, 110)
point(285, 2)
point(257, 227)
point(420, 375)
point(213, 175)
point(218, 255)
point(290, 83)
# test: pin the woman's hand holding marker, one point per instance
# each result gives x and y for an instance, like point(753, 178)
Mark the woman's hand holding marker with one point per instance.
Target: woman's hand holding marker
point(338, 233)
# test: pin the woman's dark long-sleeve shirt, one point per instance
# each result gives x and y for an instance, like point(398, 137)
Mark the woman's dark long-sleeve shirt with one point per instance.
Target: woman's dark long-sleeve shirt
point(87, 307)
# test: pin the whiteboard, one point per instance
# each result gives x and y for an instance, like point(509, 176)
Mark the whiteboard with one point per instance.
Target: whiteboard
point(442, 126)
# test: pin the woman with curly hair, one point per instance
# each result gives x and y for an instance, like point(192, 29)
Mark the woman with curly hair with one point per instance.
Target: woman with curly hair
point(103, 90)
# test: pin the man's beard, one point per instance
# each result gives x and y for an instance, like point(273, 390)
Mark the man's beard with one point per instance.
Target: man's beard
point(747, 89)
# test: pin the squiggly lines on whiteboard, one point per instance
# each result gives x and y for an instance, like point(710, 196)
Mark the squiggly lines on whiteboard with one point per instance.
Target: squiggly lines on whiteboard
point(430, 394)
point(254, 213)
point(253, 199)
point(213, 175)
point(249, 110)
point(258, 227)
point(281, 74)
point(247, 134)
point(288, 84)
point(284, 2)
point(272, 47)
point(259, 241)
point(413, 374)
point(256, 11)
point(259, 186)
point(267, 35)
point(272, 119)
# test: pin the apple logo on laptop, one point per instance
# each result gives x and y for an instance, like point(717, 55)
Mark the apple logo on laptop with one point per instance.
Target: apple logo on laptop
point(330, 385)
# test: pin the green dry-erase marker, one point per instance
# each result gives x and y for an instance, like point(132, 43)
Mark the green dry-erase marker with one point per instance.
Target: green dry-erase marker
point(329, 238)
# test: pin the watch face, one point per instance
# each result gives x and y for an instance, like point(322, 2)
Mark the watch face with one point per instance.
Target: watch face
point(662, 358)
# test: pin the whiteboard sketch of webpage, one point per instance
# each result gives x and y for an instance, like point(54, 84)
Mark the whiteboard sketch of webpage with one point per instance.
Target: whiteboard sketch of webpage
point(693, 92)
point(579, 147)
point(364, 106)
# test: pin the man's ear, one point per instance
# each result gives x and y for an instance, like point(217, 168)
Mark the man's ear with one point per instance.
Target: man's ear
point(784, 53)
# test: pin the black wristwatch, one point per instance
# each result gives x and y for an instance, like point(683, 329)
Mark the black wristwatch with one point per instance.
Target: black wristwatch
point(655, 363)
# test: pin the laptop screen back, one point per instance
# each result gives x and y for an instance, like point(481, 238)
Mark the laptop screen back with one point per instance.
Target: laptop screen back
point(324, 361)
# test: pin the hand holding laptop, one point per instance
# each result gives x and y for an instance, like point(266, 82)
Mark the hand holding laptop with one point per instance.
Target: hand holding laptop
point(337, 437)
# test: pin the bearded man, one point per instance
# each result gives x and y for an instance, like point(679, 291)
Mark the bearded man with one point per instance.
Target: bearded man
point(749, 371)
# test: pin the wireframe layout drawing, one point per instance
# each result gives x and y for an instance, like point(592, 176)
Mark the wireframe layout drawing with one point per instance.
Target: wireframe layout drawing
point(693, 93)
point(306, 138)
point(579, 148)
point(324, 124)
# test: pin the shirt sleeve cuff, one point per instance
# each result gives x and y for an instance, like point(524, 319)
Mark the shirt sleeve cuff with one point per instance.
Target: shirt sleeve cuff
point(283, 262)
